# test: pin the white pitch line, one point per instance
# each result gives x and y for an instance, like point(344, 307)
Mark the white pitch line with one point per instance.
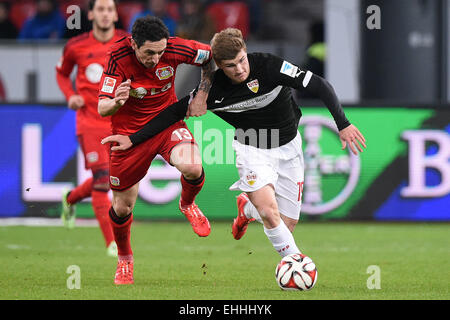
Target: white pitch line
point(45, 222)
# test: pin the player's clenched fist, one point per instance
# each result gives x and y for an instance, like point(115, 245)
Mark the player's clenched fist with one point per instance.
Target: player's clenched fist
point(75, 102)
point(123, 92)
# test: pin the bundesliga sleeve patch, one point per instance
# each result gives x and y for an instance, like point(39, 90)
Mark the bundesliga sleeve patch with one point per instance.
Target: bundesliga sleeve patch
point(289, 69)
point(202, 56)
point(108, 85)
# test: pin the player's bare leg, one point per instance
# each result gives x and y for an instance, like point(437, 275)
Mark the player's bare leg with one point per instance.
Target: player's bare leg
point(121, 215)
point(274, 226)
point(186, 158)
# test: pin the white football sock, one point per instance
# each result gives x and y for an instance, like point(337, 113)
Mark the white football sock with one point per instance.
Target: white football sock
point(251, 212)
point(282, 239)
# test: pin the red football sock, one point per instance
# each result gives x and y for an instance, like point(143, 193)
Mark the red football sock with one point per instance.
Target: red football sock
point(121, 227)
point(190, 189)
point(80, 192)
point(101, 205)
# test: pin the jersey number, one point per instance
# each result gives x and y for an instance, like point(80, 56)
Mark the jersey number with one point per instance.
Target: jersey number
point(182, 134)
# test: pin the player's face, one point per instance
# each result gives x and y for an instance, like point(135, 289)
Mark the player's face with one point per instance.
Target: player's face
point(236, 69)
point(104, 14)
point(150, 52)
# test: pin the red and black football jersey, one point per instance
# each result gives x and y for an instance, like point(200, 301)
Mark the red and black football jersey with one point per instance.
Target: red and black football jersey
point(152, 90)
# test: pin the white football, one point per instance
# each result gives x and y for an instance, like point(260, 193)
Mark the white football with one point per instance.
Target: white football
point(296, 272)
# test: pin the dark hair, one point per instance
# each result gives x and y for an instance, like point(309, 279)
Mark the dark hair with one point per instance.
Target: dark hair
point(92, 4)
point(149, 28)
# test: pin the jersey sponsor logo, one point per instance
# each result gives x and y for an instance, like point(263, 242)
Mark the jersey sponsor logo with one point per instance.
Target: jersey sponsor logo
point(114, 181)
point(164, 73)
point(253, 103)
point(94, 72)
point(154, 91)
point(202, 56)
point(289, 69)
point(108, 85)
point(253, 85)
point(138, 93)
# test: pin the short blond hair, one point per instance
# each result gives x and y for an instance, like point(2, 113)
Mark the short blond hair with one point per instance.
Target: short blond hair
point(226, 44)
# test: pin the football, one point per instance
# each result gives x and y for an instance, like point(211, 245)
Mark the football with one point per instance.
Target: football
point(296, 272)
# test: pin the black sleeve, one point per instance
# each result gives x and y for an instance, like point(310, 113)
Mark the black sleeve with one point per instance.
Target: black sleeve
point(322, 89)
point(287, 74)
point(172, 114)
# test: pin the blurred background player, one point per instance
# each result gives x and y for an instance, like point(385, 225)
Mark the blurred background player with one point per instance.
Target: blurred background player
point(137, 84)
point(88, 52)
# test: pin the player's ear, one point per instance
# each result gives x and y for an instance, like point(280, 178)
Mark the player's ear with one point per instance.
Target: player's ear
point(90, 15)
point(134, 44)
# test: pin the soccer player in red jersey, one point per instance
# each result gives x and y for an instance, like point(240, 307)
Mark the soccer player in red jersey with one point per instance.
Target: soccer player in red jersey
point(137, 84)
point(88, 51)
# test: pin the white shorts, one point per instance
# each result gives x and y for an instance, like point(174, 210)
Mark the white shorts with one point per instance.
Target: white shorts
point(282, 167)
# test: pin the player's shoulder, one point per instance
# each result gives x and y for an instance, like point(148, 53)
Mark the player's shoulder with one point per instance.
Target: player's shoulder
point(121, 34)
point(77, 40)
point(120, 49)
point(264, 62)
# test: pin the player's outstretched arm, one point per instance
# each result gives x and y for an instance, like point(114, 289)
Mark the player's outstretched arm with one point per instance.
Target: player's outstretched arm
point(348, 133)
point(107, 106)
point(172, 114)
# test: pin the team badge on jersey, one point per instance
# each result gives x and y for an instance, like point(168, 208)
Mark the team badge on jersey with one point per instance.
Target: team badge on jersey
point(114, 181)
point(108, 85)
point(251, 178)
point(164, 73)
point(138, 93)
point(202, 56)
point(253, 85)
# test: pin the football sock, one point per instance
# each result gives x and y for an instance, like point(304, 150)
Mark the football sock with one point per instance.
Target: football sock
point(190, 188)
point(80, 192)
point(282, 239)
point(121, 227)
point(251, 212)
point(101, 205)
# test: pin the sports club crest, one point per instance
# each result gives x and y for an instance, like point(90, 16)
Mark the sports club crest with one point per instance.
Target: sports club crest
point(251, 178)
point(164, 73)
point(253, 85)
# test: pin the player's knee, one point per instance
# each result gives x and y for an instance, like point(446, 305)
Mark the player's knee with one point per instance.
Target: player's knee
point(122, 207)
point(191, 171)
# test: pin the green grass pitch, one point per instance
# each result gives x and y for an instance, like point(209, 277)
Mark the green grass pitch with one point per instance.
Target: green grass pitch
point(171, 262)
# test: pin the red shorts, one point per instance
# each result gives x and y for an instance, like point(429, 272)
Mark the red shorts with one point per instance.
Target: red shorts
point(96, 155)
point(126, 168)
